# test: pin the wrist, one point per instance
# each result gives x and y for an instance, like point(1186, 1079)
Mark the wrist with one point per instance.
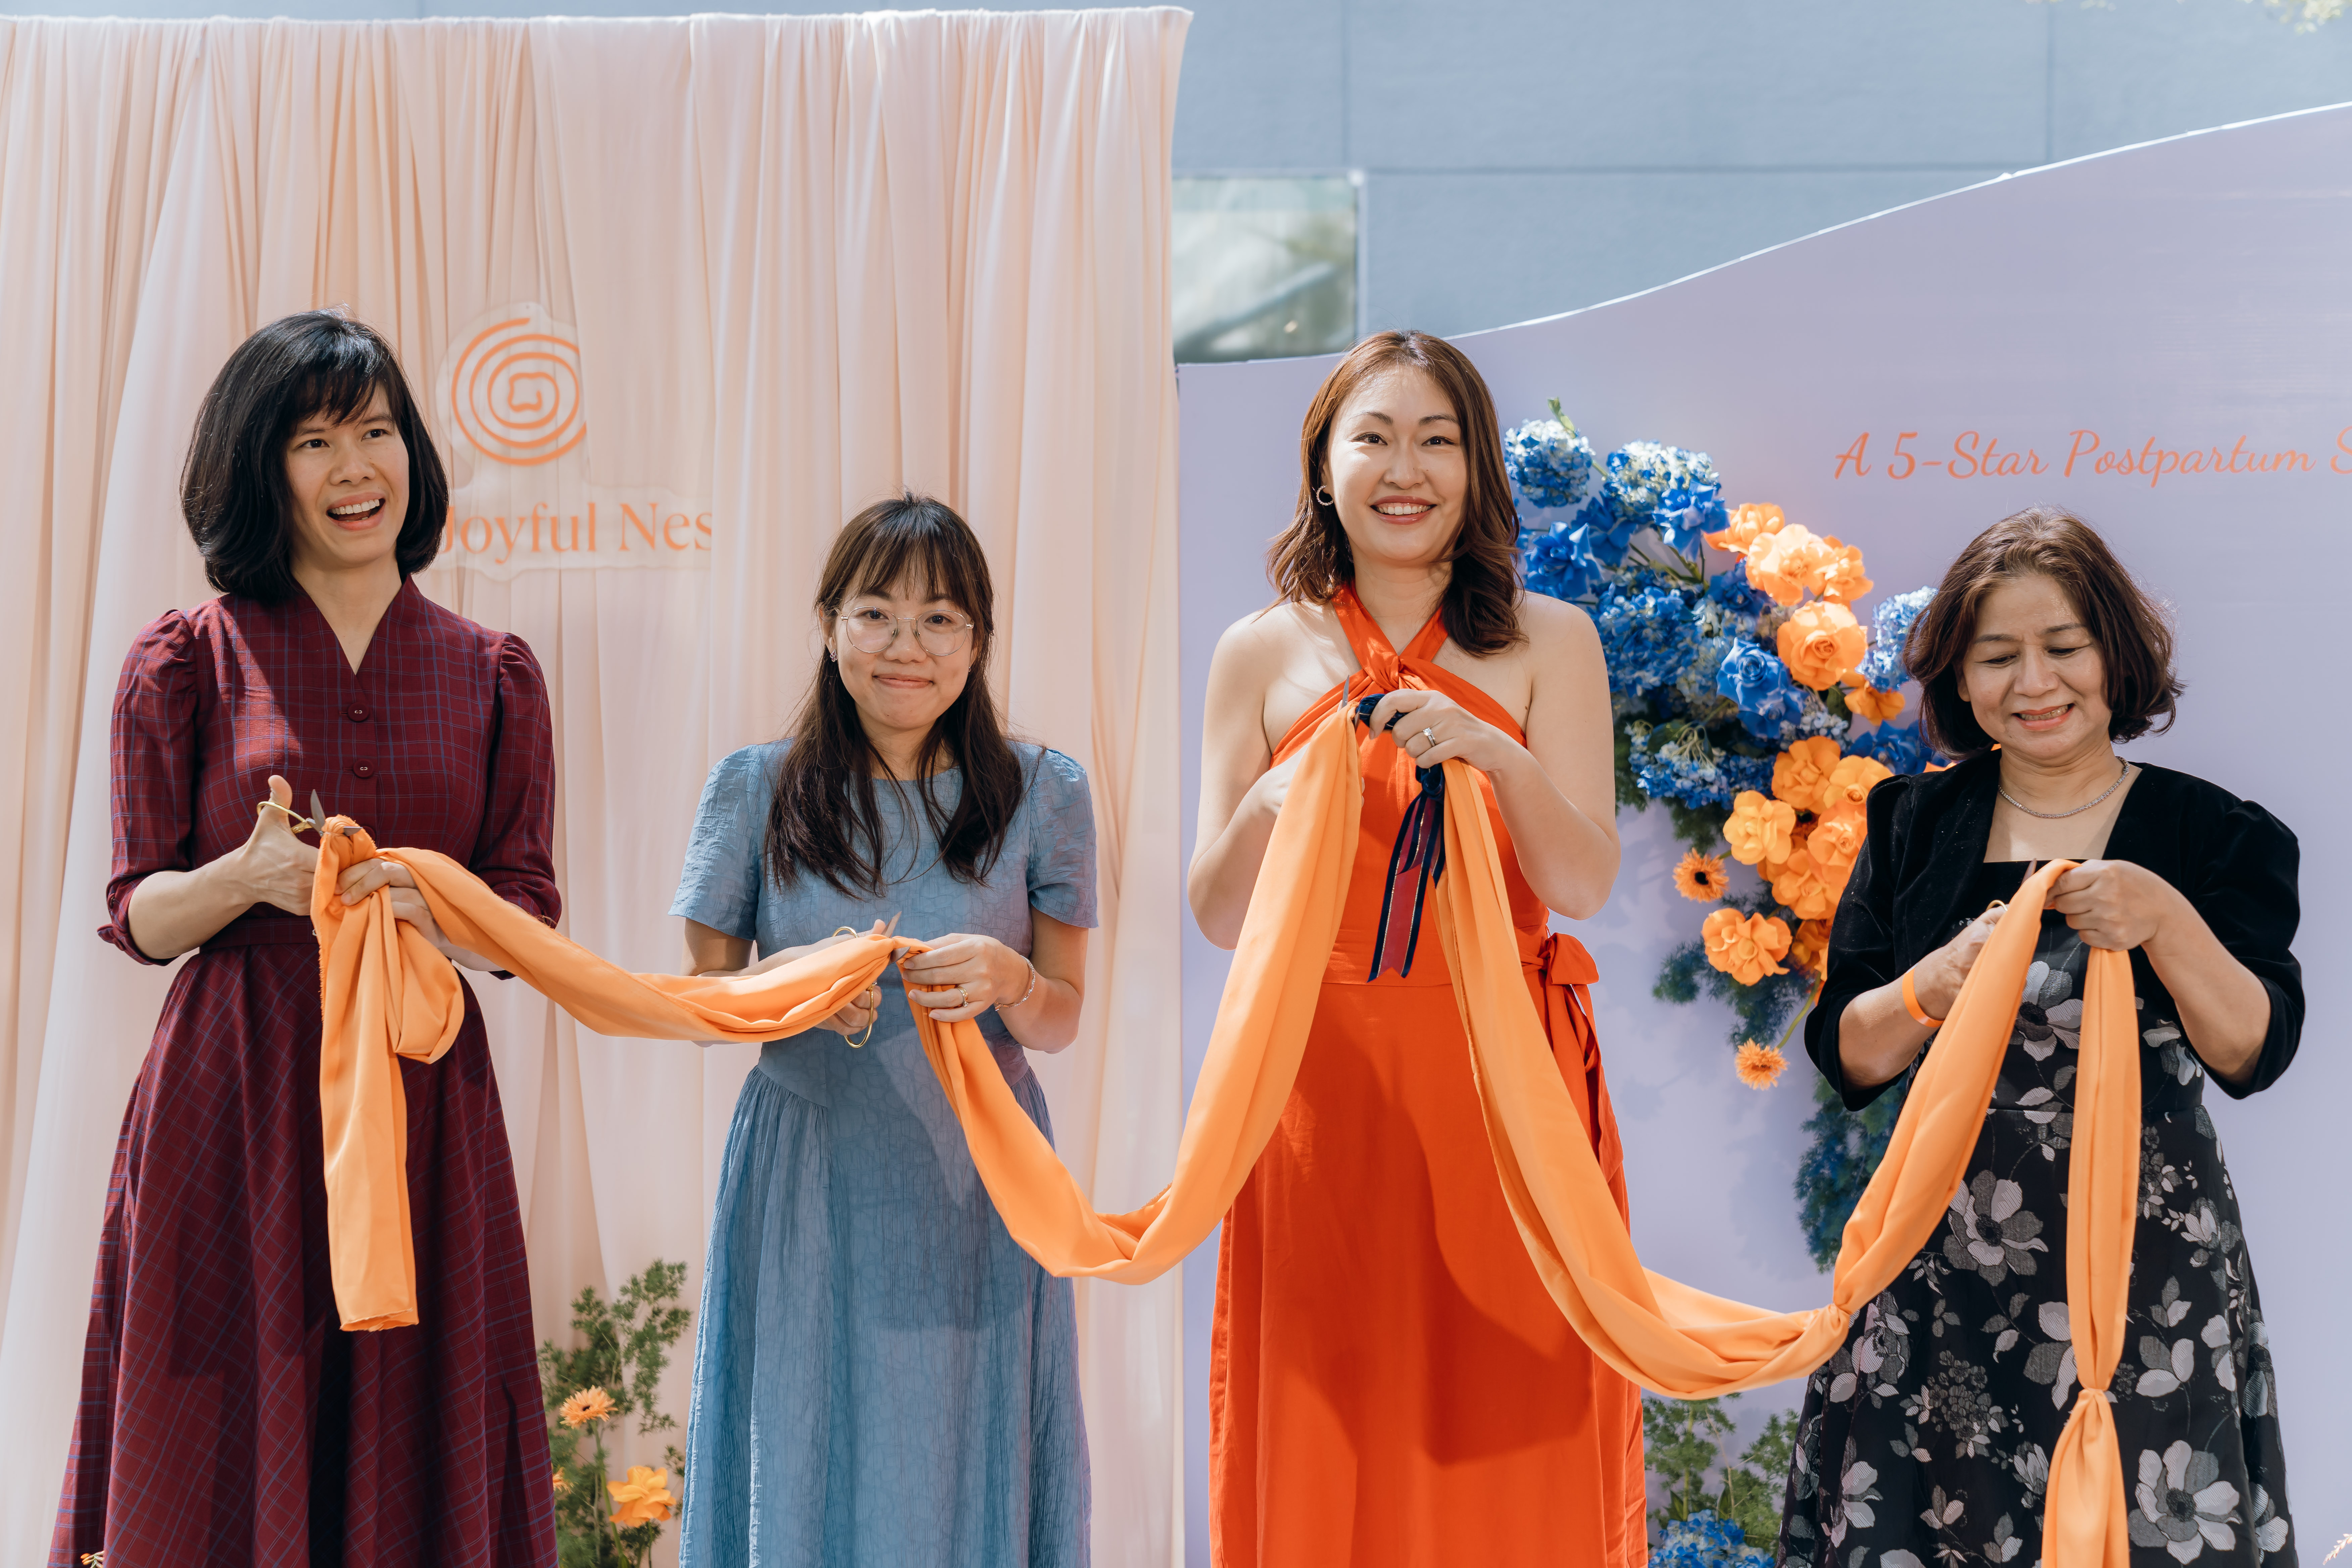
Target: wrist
point(1024, 987)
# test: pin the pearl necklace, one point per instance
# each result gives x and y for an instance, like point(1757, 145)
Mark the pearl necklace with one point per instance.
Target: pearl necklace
point(2072, 811)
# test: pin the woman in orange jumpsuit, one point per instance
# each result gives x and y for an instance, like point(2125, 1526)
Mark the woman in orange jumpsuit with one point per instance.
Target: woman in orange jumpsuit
point(1390, 1383)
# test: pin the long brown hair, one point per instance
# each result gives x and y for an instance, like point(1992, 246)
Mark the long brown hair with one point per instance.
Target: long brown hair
point(825, 818)
point(1310, 561)
point(2134, 639)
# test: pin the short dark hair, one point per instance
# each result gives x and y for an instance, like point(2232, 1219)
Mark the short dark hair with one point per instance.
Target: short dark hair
point(232, 488)
point(2132, 634)
point(1311, 560)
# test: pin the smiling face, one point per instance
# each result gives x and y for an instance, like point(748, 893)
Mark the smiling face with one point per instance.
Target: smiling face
point(1396, 470)
point(349, 484)
point(901, 689)
point(2032, 676)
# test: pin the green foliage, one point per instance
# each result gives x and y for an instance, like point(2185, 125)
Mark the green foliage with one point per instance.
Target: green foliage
point(1684, 1439)
point(1837, 1164)
point(624, 1346)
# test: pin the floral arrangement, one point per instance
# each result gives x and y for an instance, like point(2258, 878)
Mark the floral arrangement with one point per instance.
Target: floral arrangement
point(1751, 700)
point(626, 1345)
point(1726, 1515)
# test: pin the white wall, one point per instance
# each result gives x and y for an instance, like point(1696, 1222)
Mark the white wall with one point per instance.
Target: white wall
point(2188, 292)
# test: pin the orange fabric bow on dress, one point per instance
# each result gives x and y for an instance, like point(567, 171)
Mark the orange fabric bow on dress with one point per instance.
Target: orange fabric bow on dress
point(1657, 1331)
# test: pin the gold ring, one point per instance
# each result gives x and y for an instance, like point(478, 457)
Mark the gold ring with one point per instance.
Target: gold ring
point(963, 997)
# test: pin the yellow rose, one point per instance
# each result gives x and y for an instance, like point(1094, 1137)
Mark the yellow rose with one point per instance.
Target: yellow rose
point(1759, 830)
point(1748, 523)
point(1784, 564)
point(1799, 773)
point(1840, 575)
point(1746, 947)
point(1850, 784)
point(1820, 643)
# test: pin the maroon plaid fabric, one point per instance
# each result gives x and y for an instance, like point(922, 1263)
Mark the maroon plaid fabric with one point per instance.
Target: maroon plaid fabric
point(225, 1417)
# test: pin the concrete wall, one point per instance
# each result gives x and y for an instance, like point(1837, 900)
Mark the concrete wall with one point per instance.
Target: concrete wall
point(1525, 157)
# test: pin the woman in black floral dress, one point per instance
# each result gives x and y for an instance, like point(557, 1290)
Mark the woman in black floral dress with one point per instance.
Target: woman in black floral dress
point(1927, 1438)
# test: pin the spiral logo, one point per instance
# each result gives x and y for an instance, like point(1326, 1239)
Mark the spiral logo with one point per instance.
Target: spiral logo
point(514, 391)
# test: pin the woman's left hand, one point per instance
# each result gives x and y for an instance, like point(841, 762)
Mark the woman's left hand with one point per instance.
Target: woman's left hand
point(407, 904)
point(1432, 728)
point(962, 976)
point(2115, 905)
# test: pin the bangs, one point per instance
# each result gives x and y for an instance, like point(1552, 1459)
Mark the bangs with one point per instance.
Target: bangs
point(340, 377)
point(915, 548)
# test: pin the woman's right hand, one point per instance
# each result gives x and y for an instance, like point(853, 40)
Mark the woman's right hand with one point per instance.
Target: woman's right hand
point(1936, 979)
point(1271, 793)
point(273, 866)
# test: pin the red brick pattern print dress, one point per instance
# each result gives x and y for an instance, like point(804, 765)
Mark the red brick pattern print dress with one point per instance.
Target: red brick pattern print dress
point(226, 1417)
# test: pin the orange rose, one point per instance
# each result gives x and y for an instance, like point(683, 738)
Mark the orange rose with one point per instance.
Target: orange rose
point(1820, 642)
point(1784, 564)
point(1835, 843)
point(1799, 773)
point(1759, 830)
point(1797, 882)
point(1869, 702)
point(1746, 947)
point(1850, 784)
point(1758, 1066)
point(1840, 577)
point(644, 1497)
point(1812, 948)
point(1748, 523)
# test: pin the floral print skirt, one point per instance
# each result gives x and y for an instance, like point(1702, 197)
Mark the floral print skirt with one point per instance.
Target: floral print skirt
point(1926, 1439)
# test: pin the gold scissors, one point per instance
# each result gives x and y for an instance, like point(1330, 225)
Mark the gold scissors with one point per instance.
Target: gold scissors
point(314, 822)
point(888, 931)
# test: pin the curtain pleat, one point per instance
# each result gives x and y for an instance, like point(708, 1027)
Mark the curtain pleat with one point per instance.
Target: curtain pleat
point(808, 261)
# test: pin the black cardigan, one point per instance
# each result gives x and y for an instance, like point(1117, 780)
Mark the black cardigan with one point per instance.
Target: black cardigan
point(2235, 861)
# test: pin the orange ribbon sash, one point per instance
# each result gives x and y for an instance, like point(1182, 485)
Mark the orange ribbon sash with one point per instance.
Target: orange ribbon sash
point(1657, 1331)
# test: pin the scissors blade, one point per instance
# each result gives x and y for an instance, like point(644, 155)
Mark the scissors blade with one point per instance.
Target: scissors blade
point(892, 929)
point(318, 814)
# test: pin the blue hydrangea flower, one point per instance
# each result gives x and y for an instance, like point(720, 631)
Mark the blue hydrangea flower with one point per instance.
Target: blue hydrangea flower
point(1557, 563)
point(1674, 491)
point(1549, 463)
point(1900, 748)
point(1758, 682)
point(1646, 637)
point(1604, 533)
point(1890, 628)
point(1731, 590)
point(1692, 769)
point(1706, 1540)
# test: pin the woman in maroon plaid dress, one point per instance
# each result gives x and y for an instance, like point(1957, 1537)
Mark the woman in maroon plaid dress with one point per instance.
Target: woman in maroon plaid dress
point(225, 1415)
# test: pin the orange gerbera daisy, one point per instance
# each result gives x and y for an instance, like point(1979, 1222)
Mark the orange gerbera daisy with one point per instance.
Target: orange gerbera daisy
point(1699, 878)
point(588, 1405)
point(644, 1497)
point(1746, 947)
point(1759, 1066)
point(561, 1484)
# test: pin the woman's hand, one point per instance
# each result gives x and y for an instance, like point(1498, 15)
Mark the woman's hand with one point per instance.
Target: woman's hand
point(1432, 728)
point(1271, 793)
point(272, 866)
point(962, 976)
point(2117, 905)
point(358, 882)
point(859, 1011)
point(1936, 979)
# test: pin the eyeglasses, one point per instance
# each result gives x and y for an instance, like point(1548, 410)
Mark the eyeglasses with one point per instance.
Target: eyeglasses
point(940, 632)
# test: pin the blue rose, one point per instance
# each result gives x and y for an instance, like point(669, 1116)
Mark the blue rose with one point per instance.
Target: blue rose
point(1731, 590)
point(1557, 563)
point(1900, 749)
point(1759, 683)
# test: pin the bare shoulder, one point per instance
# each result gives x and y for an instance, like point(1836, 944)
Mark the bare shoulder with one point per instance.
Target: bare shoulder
point(1556, 627)
point(1278, 628)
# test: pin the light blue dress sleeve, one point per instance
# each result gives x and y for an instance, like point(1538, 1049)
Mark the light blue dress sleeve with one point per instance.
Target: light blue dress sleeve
point(1061, 841)
point(720, 886)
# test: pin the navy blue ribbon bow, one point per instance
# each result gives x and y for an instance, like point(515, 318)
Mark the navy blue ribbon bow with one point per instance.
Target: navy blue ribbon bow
point(1419, 858)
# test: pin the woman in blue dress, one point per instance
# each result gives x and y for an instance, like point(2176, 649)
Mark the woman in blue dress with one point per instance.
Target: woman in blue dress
point(880, 1375)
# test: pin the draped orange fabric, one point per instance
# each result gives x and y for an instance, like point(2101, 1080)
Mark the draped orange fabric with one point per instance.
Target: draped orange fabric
point(381, 997)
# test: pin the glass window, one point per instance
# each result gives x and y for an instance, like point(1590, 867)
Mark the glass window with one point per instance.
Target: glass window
point(1264, 267)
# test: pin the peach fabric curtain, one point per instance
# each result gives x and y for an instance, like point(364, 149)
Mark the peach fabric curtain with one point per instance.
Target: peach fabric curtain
point(803, 261)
